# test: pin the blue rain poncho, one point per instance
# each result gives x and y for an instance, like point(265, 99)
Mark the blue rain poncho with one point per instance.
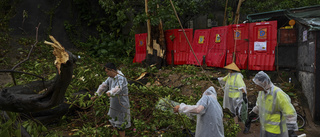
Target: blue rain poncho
point(119, 101)
point(277, 114)
point(209, 114)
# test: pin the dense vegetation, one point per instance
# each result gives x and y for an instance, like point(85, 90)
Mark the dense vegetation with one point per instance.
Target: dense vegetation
point(105, 47)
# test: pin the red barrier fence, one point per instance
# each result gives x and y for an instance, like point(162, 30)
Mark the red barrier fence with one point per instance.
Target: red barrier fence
point(178, 46)
point(200, 45)
point(253, 43)
point(238, 38)
point(216, 54)
point(141, 47)
point(262, 43)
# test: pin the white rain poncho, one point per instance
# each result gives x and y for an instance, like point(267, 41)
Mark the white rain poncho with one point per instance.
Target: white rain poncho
point(119, 101)
point(209, 114)
point(232, 85)
point(277, 114)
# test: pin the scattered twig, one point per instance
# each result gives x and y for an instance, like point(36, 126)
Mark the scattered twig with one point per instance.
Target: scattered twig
point(37, 28)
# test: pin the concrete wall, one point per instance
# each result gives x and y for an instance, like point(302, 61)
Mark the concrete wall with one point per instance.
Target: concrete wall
point(306, 50)
point(317, 80)
point(307, 81)
point(306, 64)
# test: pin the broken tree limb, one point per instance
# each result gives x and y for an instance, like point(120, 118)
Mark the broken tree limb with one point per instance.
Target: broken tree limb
point(61, 55)
point(53, 94)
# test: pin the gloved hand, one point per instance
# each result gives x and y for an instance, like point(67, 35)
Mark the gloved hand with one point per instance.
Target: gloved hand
point(292, 126)
point(244, 96)
point(292, 133)
point(248, 122)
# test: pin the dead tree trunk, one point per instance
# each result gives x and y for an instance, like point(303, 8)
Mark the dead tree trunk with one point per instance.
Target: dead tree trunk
point(156, 45)
point(156, 50)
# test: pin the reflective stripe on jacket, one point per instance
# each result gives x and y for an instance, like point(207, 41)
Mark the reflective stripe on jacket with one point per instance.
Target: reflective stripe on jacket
point(272, 108)
point(235, 82)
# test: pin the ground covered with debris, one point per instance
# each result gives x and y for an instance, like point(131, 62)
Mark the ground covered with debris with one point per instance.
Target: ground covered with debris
point(188, 80)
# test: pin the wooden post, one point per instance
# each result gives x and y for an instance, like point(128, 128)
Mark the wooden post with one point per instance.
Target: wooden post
point(149, 49)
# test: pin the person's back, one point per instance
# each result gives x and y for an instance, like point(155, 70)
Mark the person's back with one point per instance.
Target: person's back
point(209, 114)
point(210, 122)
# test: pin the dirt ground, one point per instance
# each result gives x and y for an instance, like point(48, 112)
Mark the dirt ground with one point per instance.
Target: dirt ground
point(4, 79)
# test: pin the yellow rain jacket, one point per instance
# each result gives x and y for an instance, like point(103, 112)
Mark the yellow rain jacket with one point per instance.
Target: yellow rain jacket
point(232, 85)
point(277, 114)
point(273, 108)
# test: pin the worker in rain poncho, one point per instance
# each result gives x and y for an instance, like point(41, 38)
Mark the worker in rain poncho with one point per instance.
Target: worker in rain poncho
point(209, 114)
point(117, 90)
point(278, 117)
point(235, 93)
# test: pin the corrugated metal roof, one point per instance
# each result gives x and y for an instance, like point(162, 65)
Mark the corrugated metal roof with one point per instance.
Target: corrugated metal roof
point(309, 16)
point(264, 16)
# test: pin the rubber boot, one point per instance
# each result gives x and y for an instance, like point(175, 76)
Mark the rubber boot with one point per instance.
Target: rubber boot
point(247, 126)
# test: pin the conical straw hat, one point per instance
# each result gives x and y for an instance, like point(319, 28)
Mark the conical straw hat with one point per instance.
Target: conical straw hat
point(232, 66)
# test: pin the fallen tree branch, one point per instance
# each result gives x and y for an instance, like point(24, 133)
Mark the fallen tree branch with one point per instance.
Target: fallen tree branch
point(53, 94)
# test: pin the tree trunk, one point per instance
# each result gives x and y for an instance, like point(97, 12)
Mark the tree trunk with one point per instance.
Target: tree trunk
point(156, 45)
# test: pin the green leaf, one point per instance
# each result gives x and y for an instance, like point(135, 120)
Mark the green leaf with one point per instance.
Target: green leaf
point(103, 51)
point(44, 129)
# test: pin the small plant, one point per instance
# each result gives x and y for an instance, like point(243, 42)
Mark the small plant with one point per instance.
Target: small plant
point(244, 72)
point(34, 128)
point(8, 127)
point(230, 128)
